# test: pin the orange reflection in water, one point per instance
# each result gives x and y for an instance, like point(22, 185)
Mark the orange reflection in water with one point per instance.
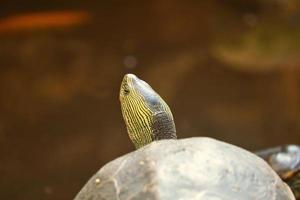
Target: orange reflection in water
point(42, 20)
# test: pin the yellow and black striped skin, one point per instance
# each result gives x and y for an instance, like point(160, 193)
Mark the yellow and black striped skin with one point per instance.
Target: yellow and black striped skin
point(294, 182)
point(146, 115)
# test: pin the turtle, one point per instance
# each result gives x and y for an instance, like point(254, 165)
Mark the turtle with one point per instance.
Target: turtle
point(147, 116)
point(166, 168)
point(285, 160)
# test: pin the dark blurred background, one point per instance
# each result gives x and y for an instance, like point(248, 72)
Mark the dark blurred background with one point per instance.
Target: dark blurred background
point(228, 70)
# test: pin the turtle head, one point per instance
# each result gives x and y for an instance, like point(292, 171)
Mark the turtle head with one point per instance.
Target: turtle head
point(146, 115)
point(287, 161)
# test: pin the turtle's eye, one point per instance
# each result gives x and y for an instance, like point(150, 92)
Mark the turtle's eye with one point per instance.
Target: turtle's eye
point(126, 91)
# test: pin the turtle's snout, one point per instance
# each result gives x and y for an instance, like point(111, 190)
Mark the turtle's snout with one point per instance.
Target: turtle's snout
point(130, 78)
point(127, 85)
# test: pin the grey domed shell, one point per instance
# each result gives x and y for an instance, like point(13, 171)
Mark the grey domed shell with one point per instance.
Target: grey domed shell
point(186, 169)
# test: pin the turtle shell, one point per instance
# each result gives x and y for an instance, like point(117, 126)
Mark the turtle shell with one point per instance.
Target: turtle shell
point(194, 168)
